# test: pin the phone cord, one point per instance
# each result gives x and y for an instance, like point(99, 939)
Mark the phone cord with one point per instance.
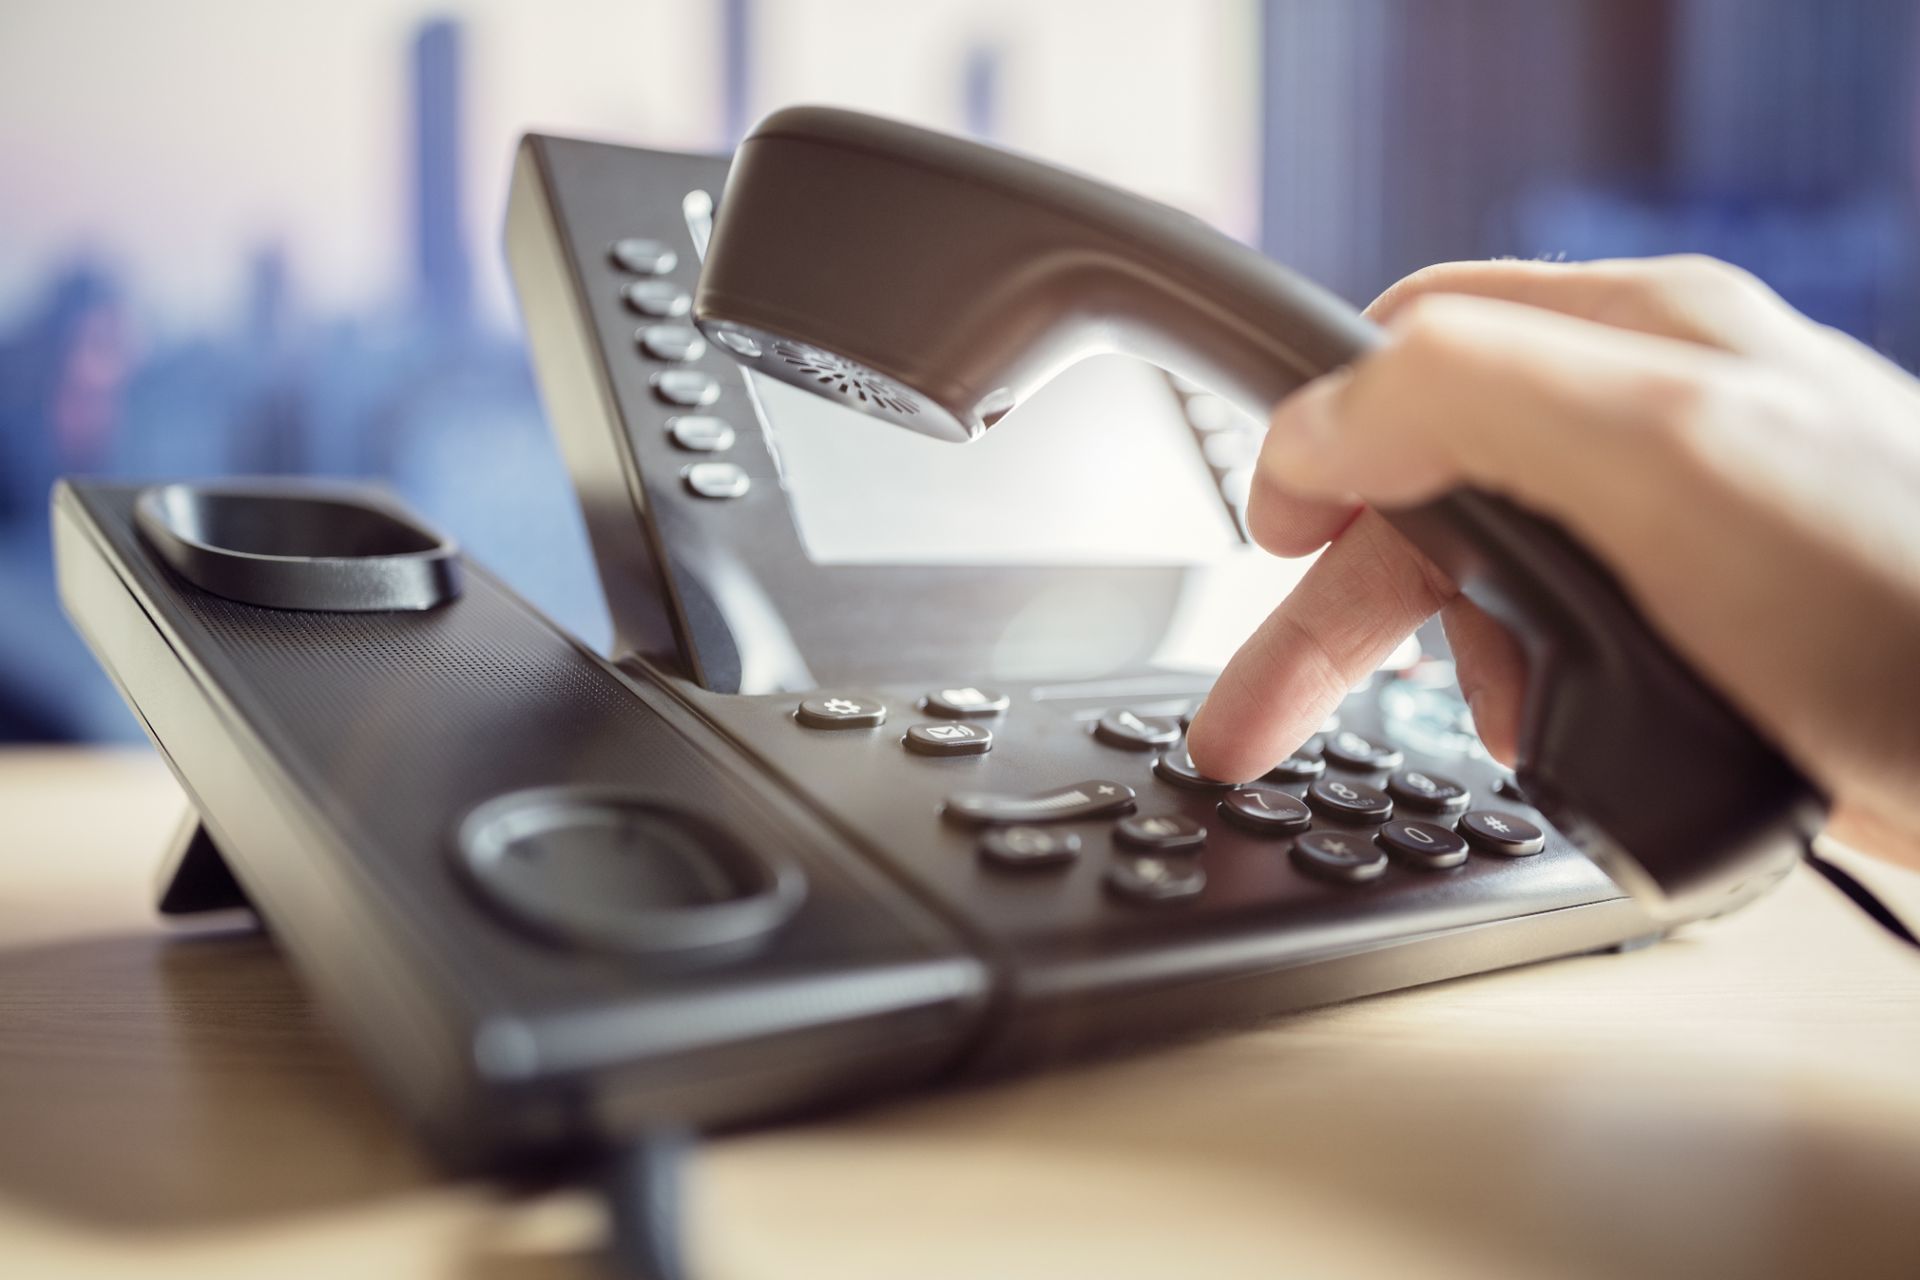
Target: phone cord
point(643, 1189)
point(1861, 897)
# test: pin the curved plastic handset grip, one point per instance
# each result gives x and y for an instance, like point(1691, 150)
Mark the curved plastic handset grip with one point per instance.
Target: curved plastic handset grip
point(935, 283)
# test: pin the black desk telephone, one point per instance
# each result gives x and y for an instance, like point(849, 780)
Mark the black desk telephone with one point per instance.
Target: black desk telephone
point(884, 783)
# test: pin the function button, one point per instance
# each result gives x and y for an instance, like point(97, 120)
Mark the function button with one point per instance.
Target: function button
point(1354, 801)
point(1266, 810)
point(1428, 791)
point(1236, 486)
point(964, 702)
point(1178, 768)
point(644, 257)
point(1424, 844)
point(688, 388)
point(838, 711)
point(949, 739)
point(717, 480)
point(1210, 413)
point(1134, 732)
point(1502, 833)
point(1230, 449)
point(1025, 847)
point(1335, 855)
point(1349, 748)
point(1145, 877)
point(1091, 799)
point(1303, 765)
point(700, 433)
point(1161, 832)
point(661, 299)
point(672, 342)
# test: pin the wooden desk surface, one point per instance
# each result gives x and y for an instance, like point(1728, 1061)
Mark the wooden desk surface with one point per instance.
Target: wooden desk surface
point(1744, 1101)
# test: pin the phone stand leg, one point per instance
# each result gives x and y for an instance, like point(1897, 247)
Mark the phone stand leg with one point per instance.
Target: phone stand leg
point(194, 876)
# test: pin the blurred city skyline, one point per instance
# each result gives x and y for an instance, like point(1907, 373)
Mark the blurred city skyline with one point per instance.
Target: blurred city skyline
point(263, 238)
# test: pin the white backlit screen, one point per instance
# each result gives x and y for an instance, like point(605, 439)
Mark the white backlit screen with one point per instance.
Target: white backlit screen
point(1098, 467)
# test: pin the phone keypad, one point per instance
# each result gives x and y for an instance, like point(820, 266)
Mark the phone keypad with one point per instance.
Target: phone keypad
point(1340, 856)
point(1156, 879)
point(1160, 832)
point(1418, 789)
point(1353, 801)
point(1266, 810)
point(1505, 834)
point(1349, 748)
point(1131, 731)
point(1425, 845)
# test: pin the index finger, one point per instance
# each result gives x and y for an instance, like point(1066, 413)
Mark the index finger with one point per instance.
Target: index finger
point(1364, 595)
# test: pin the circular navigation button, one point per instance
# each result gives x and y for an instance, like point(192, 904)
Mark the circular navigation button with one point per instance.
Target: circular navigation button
point(644, 257)
point(1303, 765)
point(672, 342)
point(964, 702)
point(1424, 844)
point(661, 299)
point(717, 480)
point(841, 711)
point(700, 433)
point(1338, 856)
point(949, 738)
point(1350, 749)
point(1502, 833)
point(1266, 810)
point(1131, 731)
point(1029, 847)
point(1354, 801)
point(1162, 832)
point(688, 388)
point(1429, 791)
point(1178, 768)
point(1147, 878)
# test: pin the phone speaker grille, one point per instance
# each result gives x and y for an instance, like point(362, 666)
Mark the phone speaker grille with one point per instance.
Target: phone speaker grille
point(838, 374)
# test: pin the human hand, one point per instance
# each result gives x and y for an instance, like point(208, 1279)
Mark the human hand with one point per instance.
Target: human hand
point(1752, 478)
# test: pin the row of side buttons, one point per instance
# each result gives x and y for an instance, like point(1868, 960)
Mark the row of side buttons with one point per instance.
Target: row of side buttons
point(671, 341)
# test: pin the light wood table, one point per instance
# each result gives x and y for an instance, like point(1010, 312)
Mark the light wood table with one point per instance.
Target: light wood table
point(1743, 1101)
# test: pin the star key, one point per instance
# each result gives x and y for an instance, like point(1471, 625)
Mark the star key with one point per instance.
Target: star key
point(1338, 857)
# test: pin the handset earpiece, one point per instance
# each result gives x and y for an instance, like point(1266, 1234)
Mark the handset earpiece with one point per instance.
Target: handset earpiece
point(934, 283)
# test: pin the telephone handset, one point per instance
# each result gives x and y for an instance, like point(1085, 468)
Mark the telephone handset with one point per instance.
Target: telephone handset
point(934, 283)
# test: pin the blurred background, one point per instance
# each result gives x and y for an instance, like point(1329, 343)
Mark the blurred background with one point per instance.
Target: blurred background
point(244, 238)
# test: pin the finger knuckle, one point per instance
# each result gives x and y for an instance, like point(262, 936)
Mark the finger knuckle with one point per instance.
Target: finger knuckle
point(1694, 417)
point(1432, 327)
point(1410, 288)
point(1699, 276)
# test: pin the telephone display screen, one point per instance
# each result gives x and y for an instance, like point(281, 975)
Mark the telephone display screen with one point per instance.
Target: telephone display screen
point(1099, 467)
